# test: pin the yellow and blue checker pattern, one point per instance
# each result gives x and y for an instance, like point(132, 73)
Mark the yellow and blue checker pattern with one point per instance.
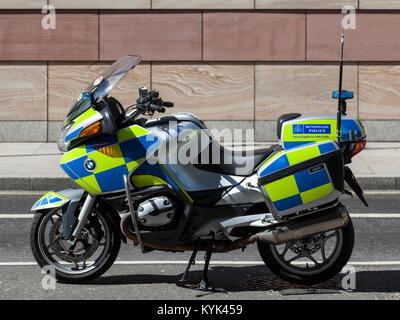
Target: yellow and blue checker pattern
point(82, 122)
point(285, 159)
point(152, 174)
point(50, 200)
point(113, 157)
point(299, 188)
point(302, 187)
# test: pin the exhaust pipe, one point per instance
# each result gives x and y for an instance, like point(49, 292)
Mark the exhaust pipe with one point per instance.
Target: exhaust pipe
point(335, 218)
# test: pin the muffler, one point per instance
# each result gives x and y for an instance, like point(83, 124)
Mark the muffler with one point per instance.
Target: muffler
point(330, 219)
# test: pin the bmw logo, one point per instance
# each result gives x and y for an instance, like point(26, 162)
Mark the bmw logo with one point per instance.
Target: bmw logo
point(90, 165)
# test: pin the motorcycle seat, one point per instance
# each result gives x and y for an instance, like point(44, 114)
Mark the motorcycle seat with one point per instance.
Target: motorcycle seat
point(238, 163)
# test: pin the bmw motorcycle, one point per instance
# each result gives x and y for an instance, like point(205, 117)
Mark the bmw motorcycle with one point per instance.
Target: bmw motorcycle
point(284, 199)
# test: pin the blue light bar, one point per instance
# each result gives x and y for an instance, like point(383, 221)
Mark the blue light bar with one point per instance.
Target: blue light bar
point(86, 96)
point(345, 94)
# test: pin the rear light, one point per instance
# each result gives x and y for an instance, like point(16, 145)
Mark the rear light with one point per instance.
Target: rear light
point(360, 145)
point(91, 130)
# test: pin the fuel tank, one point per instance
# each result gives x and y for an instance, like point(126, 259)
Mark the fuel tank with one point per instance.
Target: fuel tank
point(186, 137)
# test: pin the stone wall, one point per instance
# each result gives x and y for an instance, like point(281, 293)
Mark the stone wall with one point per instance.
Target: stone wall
point(234, 63)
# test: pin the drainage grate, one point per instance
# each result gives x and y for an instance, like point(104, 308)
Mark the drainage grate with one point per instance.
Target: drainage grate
point(274, 283)
point(299, 291)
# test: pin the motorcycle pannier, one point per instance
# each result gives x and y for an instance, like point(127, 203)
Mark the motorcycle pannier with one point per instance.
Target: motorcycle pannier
point(302, 178)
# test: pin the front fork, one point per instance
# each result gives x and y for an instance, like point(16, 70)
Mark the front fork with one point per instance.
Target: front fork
point(83, 214)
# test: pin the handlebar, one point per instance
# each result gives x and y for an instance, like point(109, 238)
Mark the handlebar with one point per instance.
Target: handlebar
point(167, 104)
point(148, 102)
point(155, 107)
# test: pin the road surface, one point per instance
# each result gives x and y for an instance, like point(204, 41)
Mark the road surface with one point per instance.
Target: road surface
point(376, 259)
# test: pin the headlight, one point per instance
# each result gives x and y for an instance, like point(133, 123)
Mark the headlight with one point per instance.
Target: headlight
point(62, 145)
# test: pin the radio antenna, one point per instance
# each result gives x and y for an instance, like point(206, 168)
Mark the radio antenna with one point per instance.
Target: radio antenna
point(339, 112)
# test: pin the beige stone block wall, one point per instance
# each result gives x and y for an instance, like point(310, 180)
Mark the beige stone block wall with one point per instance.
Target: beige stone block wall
point(22, 4)
point(304, 4)
point(304, 87)
point(217, 91)
point(101, 4)
point(23, 91)
point(203, 4)
point(379, 91)
point(379, 4)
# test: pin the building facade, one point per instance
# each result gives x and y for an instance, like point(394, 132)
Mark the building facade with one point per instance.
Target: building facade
point(234, 63)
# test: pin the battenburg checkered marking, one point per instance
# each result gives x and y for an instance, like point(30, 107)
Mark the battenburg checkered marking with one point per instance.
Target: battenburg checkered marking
point(302, 187)
point(113, 155)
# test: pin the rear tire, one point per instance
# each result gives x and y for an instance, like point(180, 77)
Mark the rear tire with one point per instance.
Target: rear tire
point(40, 244)
point(294, 274)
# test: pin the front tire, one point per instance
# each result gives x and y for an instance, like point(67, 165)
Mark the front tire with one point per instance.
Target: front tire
point(98, 241)
point(302, 267)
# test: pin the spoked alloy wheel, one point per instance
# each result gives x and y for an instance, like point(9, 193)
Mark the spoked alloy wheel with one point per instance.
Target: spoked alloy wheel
point(93, 254)
point(310, 260)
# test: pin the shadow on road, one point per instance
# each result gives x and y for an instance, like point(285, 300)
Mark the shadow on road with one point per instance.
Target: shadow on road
point(258, 278)
point(134, 279)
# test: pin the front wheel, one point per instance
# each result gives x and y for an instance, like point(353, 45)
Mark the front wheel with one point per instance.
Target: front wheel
point(310, 260)
point(94, 252)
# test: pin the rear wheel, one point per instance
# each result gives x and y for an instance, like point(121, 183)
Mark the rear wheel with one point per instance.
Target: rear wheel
point(95, 250)
point(310, 260)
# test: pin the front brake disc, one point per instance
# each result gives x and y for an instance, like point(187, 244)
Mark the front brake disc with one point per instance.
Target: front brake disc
point(62, 249)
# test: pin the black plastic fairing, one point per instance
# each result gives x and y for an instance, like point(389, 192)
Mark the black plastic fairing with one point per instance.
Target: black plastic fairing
point(282, 119)
point(353, 184)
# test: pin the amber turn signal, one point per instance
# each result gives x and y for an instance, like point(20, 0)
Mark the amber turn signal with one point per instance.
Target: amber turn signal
point(91, 130)
point(111, 151)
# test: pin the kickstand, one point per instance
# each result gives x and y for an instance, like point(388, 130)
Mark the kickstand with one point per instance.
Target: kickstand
point(204, 284)
point(190, 263)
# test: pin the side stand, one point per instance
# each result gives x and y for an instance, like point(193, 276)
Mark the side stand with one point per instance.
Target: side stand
point(190, 263)
point(204, 284)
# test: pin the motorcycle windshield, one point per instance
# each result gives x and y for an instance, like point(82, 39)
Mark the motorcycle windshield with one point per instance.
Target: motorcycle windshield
point(106, 81)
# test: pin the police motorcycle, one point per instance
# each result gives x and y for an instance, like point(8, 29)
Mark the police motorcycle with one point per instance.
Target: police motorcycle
point(284, 199)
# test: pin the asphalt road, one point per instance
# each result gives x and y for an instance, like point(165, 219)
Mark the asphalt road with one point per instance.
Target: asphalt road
point(376, 259)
